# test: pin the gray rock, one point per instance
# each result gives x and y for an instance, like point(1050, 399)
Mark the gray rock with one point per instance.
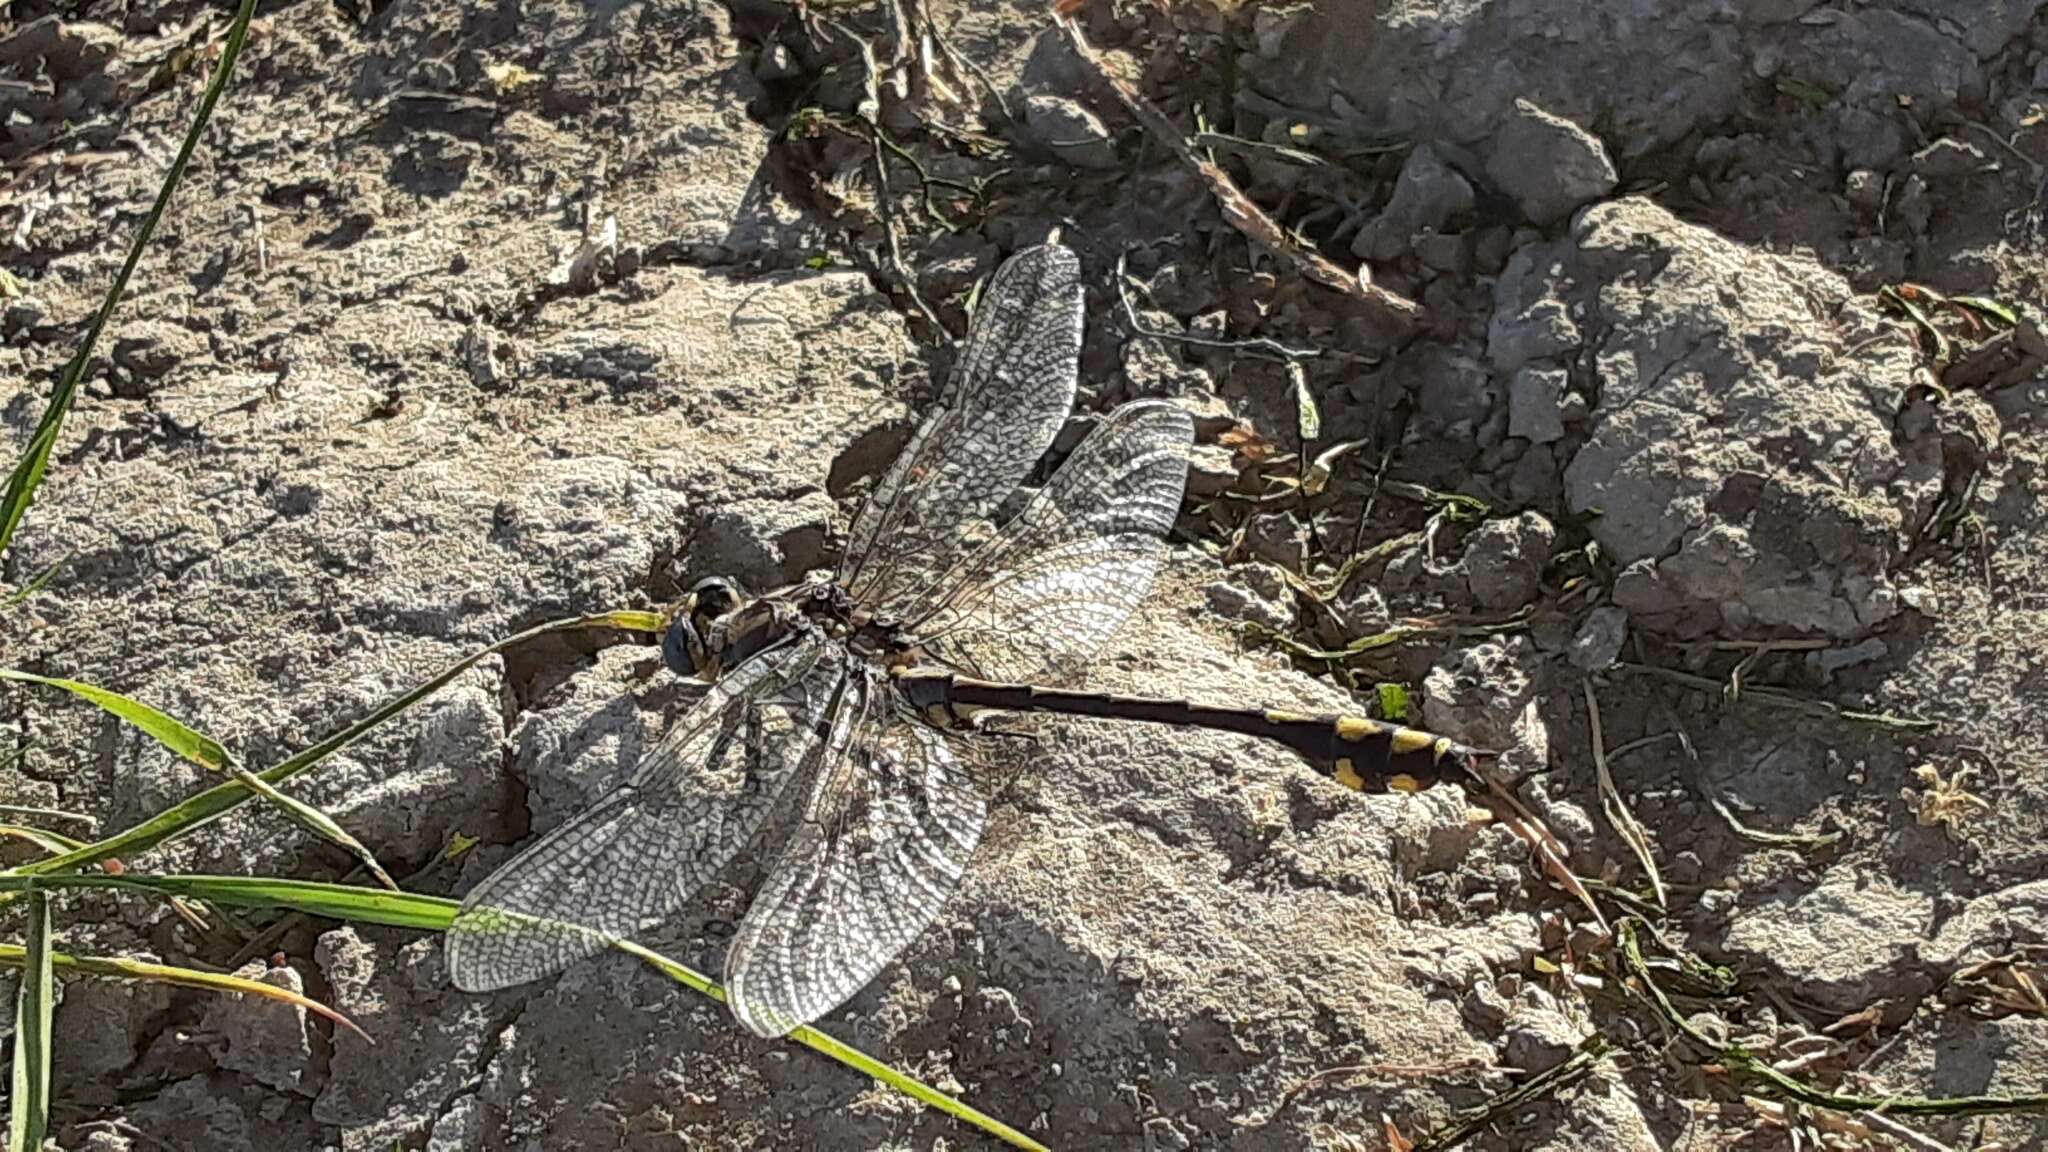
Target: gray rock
point(1447, 252)
point(1598, 642)
point(1538, 1036)
point(1487, 698)
point(1844, 940)
point(1890, 49)
point(1530, 322)
point(1715, 154)
point(776, 62)
point(459, 1128)
point(1151, 370)
point(1573, 825)
point(428, 1041)
point(1574, 410)
point(1535, 404)
point(479, 350)
point(1504, 560)
point(1364, 610)
point(1454, 73)
point(1995, 924)
point(1548, 165)
point(586, 737)
point(148, 350)
point(1073, 133)
point(1491, 248)
point(1641, 587)
point(414, 812)
point(265, 1040)
point(1052, 66)
point(108, 1021)
point(1278, 537)
point(1437, 834)
point(1271, 27)
point(197, 1113)
point(1256, 593)
point(1869, 140)
point(1602, 1116)
point(1865, 190)
point(1453, 389)
point(1428, 195)
point(1913, 206)
point(768, 542)
point(1707, 355)
point(957, 262)
point(22, 316)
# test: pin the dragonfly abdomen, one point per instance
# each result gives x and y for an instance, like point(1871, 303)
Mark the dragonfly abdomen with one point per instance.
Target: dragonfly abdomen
point(1358, 752)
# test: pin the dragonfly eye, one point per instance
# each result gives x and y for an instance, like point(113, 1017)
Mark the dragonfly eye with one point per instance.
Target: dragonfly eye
point(685, 647)
point(712, 597)
point(680, 646)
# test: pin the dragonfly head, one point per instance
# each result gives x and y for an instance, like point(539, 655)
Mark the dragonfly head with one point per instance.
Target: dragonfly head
point(687, 647)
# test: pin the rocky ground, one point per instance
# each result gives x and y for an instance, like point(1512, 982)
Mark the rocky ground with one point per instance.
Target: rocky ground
point(1725, 318)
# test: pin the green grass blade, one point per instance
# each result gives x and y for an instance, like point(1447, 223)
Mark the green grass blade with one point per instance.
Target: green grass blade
point(208, 753)
point(48, 841)
point(20, 595)
point(122, 968)
point(29, 1116)
point(35, 813)
point(434, 913)
point(847, 1054)
point(918, 1090)
point(28, 474)
point(317, 822)
point(335, 901)
point(179, 737)
point(216, 802)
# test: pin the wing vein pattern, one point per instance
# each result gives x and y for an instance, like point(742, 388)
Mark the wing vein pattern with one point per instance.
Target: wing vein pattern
point(1064, 575)
point(691, 805)
point(813, 735)
point(1006, 401)
point(889, 830)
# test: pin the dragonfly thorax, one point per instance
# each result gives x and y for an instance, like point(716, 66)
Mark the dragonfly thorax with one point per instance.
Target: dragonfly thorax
point(716, 628)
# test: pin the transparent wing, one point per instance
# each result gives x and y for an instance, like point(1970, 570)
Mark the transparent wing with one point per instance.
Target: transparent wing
point(1075, 563)
point(889, 831)
point(696, 799)
point(1007, 398)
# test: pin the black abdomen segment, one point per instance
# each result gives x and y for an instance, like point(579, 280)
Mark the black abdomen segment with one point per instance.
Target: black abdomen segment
point(1356, 752)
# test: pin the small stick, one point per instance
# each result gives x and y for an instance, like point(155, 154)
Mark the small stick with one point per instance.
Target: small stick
point(1257, 343)
point(1624, 821)
point(1891, 1127)
point(1548, 848)
point(1243, 213)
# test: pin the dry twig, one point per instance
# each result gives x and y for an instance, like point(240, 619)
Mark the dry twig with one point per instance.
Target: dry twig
point(1243, 213)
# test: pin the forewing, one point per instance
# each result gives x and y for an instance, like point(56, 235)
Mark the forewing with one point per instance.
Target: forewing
point(889, 832)
point(1007, 399)
point(647, 846)
point(1076, 562)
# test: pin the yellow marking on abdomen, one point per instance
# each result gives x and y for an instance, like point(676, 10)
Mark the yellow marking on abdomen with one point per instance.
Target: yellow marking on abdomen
point(1348, 776)
point(1410, 740)
point(1403, 782)
point(1357, 727)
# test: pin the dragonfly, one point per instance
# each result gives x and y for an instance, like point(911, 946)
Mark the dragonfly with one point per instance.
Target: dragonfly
point(843, 716)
